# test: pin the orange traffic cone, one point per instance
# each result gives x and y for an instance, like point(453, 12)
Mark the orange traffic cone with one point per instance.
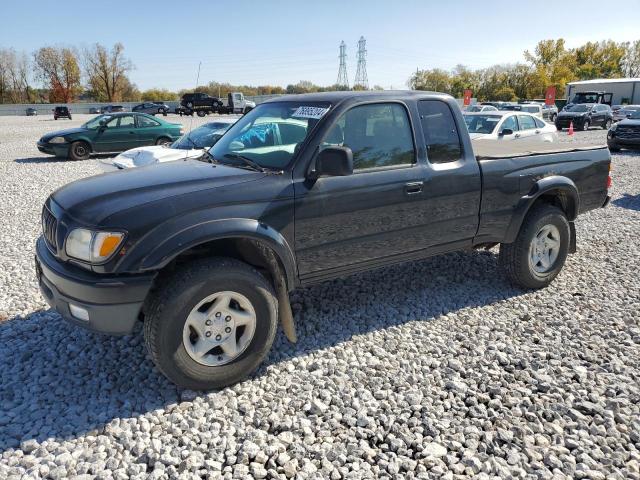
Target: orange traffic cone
point(571, 128)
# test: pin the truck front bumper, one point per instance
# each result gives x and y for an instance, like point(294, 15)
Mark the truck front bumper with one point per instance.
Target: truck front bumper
point(98, 303)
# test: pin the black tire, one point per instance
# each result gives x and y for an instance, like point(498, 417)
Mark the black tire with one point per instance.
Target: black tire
point(586, 125)
point(201, 113)
point(558, 128)
point(607, 125)
point(189, 105)
point(514, 257)
point(613, 149)
point(169, 307)
point(552, 119)
point(79, 151)
point(164, 141)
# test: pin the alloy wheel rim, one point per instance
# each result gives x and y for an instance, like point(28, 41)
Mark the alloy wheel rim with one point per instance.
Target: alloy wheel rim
point(544, 249)
point(219, 328)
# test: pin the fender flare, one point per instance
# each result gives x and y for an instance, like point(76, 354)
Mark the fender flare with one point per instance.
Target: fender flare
point(238, 228)
point(554, 184)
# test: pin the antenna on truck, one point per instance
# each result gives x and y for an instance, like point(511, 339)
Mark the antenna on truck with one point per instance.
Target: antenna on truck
point(186, 155)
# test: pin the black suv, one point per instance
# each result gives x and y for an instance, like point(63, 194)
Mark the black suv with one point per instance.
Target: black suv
point(585, 115)
point(61, 112)
point(195, 100)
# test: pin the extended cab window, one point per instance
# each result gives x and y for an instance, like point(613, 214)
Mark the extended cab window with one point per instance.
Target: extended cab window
point(440, 132)
point(379, 135)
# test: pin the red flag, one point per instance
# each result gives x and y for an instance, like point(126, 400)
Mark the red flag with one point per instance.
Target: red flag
point(467, 97)
point(550, 95)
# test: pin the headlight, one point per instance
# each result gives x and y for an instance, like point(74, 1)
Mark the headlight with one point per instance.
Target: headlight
point(57, 140)
point(91, 246)
point(614, 127)
point(182, 131)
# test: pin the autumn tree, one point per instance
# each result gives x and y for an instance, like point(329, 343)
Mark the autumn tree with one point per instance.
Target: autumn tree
point(57, 68)
point(106, 71)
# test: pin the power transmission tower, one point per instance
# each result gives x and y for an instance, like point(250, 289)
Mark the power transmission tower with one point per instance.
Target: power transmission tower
point(343, 80)
point(361, 72)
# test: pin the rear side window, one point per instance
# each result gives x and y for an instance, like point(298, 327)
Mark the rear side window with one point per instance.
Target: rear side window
point(379, 135)
point(539, 123)
point(526, 122)
point(146, 122)
point(440, 132)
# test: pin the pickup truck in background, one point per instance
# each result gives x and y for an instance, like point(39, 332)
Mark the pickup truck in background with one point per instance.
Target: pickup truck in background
point(301, 189)
point(203, 104)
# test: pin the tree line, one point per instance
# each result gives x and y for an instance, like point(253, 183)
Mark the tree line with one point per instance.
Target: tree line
point(99, 73)
point(550, 64)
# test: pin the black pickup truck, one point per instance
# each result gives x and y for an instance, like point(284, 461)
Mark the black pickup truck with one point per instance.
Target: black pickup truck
point(301, 189)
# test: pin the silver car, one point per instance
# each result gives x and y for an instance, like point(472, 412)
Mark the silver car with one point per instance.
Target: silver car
point(152, 108)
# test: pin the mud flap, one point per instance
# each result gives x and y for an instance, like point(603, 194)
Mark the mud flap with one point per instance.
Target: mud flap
point(573, 248)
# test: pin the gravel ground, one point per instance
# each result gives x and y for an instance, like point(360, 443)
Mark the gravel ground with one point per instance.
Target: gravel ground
point(436, 369)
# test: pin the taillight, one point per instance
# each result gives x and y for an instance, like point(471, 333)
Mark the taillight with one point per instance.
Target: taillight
point(609, 180)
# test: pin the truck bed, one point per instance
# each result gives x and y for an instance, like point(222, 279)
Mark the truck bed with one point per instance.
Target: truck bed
point(488, 150)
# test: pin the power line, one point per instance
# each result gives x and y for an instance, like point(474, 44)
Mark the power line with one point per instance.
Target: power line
point(361, 79)
point(343, 80)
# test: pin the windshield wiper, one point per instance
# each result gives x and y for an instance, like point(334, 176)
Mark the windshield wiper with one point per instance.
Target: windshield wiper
point(247, 161)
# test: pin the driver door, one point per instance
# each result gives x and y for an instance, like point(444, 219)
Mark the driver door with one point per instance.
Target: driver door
point(510, 123)
point(117, 135)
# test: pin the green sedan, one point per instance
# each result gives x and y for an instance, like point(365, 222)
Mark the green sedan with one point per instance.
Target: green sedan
point(111, 133)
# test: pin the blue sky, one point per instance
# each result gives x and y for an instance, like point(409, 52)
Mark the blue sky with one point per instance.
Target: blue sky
point(278, 42)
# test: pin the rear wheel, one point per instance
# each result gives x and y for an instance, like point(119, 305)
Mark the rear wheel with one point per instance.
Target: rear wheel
point(163, 141)
point(607, 125)
point(201, 113)
point(79, 151)
point(211, 324)
point(540, 249)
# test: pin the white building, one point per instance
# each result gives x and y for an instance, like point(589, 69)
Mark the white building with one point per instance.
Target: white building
point(624, 90)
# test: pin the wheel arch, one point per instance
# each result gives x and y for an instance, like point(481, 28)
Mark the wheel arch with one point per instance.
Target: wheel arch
point(249, 240)
point(554, 190)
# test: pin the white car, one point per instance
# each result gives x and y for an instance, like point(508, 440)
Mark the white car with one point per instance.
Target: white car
point(190, 145)
point(506, 126)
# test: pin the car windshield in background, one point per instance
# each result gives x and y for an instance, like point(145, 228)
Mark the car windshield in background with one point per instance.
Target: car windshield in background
point(475, 108)
point(585, 98)
point(95, 122)
point(578, 108)
point(635, 114)
point(202, 137)
point(269, 134)
point(481, 123)
point(530, 109)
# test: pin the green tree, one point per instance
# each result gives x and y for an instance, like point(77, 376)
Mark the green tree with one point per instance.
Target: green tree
point(631, 60)
point(158, 95)
point(107, 72)
point(435, 80)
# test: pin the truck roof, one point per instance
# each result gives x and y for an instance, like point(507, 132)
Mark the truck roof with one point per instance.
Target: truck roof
point(337, 97)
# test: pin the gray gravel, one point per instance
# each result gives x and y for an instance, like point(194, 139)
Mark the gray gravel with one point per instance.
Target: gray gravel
point(436, 369)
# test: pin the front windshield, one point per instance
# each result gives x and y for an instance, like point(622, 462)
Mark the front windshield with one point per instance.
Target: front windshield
point(202, 137)
point(95, 122)
point(481, 123)
point(270, 134)
point(585, 98)
point(577, 108)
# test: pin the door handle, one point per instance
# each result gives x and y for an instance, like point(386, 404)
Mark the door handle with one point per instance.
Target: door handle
point(517, 135)
point(537, 131)
point(413, 188)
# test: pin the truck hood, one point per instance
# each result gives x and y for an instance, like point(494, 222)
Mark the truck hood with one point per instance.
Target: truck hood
point(92, 200)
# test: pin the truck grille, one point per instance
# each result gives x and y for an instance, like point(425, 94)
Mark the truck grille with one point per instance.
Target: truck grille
point(49, 229)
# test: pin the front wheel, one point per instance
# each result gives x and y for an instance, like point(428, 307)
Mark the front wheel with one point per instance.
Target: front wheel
point(79, 151)
point(540, 249)
point(585, 125)
point(163, 141)
point(211, 324)
point(201, 113)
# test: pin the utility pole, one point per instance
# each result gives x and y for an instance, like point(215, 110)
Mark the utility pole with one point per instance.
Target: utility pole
point(343, 80)
point(361, 71)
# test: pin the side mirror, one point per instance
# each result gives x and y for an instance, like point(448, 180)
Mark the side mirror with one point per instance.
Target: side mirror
point(506, 131)
point(334, 161)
